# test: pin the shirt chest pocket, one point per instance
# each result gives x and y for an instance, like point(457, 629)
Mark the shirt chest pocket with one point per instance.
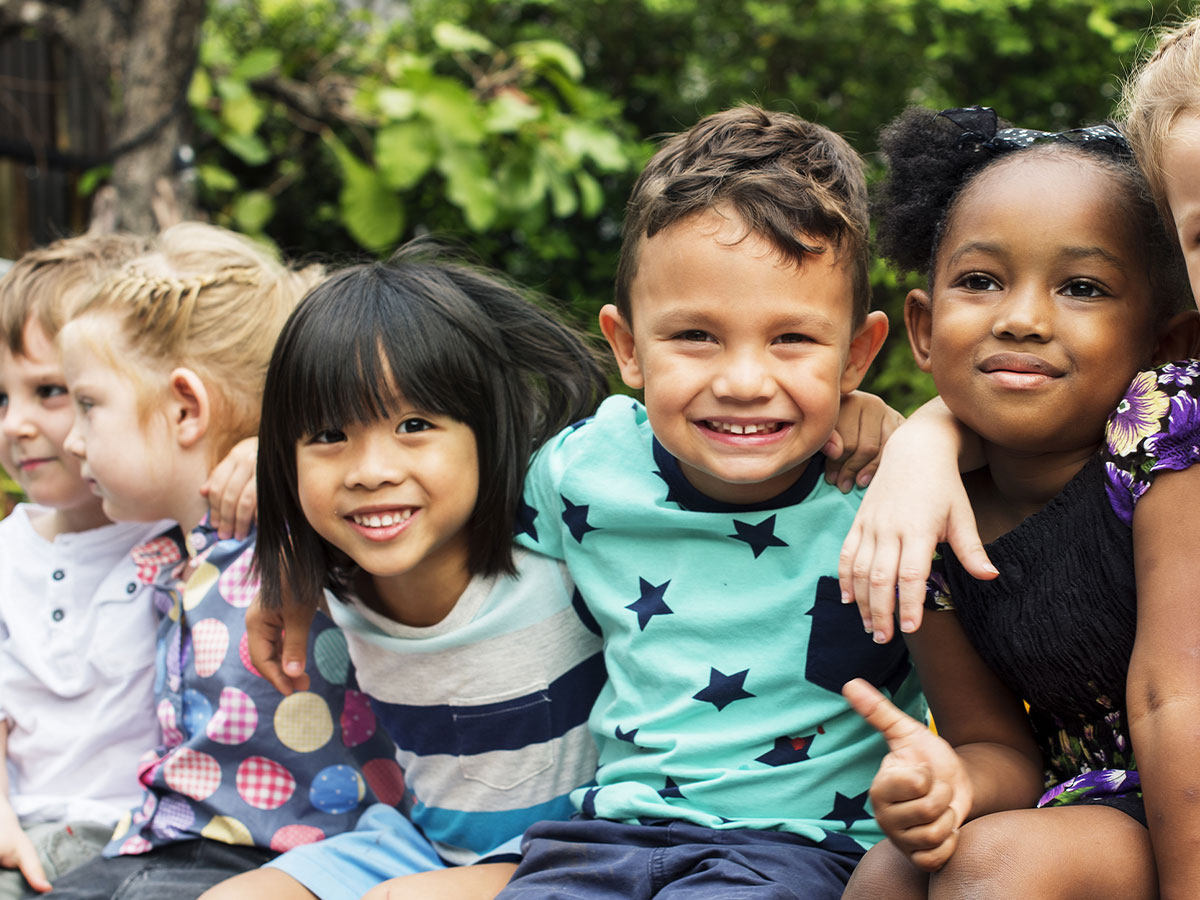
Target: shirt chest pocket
point(125, 626)
point(503, 741)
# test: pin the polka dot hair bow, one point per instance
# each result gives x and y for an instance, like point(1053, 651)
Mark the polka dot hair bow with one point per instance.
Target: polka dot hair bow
point(980, 127)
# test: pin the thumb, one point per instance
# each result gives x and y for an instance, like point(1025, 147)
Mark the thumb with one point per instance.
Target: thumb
point(897, 727)
point(963, 535)
point(297, 620)
point(31, 867)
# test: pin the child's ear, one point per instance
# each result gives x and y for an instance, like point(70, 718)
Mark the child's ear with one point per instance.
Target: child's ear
point(1179, 339)
point(864, 345)
point(620, 337)
point(190, 407)
point(918, 319)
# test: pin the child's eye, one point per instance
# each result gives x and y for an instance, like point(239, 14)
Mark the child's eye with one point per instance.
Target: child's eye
point(1082, 288)
point(794, 337)
point(327, 436)
point(3, 400)
point(50, 391)
point(85, 404)
point(694, 334)
point(977, 281)
point(413, 425)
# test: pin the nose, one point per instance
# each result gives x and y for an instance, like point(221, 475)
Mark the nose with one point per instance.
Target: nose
point(17, 423)
point(377, 461)
point(1025, 314)
point(74, 442)
point(743, 375)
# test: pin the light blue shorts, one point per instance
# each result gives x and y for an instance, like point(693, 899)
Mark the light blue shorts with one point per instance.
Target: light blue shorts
point(383, 845)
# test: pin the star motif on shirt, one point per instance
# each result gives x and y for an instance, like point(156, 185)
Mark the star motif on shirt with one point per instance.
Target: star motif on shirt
point(671, 497)
point(848, 809)
point(671, 790)
point(575, 518)
point(723, 689)
point(525, 516)
point(787, 750)
point(626, 735)
point(759, 537)
point(587, 808)
point(650, 603)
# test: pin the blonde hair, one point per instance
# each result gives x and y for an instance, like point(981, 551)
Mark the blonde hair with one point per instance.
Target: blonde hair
point(48, 284)
point(1162, 88)
point(207, 299)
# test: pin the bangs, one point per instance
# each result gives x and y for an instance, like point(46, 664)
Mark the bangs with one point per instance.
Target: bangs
point(370, 341)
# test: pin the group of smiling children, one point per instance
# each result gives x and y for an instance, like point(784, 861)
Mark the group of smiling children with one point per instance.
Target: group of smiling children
point(532, 644)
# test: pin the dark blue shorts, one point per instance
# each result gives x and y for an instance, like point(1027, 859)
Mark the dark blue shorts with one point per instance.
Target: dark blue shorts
point(592, 859)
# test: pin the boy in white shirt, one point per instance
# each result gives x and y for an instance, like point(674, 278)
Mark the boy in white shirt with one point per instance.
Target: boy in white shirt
point(77, 626)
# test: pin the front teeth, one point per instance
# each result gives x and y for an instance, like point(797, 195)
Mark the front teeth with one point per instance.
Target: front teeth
point(382, 521)
point(733, 428)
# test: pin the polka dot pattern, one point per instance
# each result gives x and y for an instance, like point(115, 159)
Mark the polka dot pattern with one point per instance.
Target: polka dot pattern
point(290, 836)
point(386, 780)
point(336, 789)
point(192, 773)
point(135, 845)
point(264, 783)
point(303, 722)
point(122, 827)
point(227, 830)
point(236, 585)
point(199, 585)
point(210, 638)
point(171, 735)
point(358, 719)
point(173, 818)
point(236, 718)
point(196, 712)
point(332, 656)
point(244, 656)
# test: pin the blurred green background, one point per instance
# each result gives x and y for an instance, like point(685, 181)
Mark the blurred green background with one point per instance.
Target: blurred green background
point(518, 126)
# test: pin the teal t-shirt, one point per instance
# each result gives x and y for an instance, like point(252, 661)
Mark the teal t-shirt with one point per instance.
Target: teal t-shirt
point(725, 639)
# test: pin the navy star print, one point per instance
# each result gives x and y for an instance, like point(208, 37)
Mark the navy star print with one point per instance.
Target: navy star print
point(626, 735)
point(575, 518)
point(848, 809)
point(671, 790)
point(724, 689)
point(759, 537)
point(525, 516)
point(651, 603)
point(671, 497)
point(787, 750)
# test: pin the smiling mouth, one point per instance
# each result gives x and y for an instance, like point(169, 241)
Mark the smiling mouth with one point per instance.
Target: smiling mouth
point(1020, 364)
point(381, 520)
point(749, 429)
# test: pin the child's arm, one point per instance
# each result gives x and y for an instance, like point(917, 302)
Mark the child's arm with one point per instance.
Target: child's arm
point(1163, 686)
point(864, 425)
point(232, 491)
point(983, 759)
point(915, 501)
point(479, 882)
point(278, 642)
point(16, 850)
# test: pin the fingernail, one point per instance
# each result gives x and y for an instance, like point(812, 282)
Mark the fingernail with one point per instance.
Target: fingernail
point(908, 626)
point(845, 486)
point(845, 597)
point(293, 668)
point(867, 628)
point(864, 480)
point(993, 569)
point(879, 637)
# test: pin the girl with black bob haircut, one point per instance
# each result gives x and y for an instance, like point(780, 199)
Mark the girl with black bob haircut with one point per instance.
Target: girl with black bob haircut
point(1066, 683)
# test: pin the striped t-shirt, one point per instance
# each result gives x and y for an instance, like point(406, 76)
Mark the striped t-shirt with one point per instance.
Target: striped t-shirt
point(488, 708)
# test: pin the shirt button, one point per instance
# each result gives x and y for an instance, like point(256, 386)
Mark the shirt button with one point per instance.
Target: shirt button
point(57, 615)
point(131, 587)
point(59, 575)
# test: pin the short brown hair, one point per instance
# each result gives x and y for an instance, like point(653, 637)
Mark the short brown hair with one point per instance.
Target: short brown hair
point(48, 283)
point(1166, 85)
point(788, 179)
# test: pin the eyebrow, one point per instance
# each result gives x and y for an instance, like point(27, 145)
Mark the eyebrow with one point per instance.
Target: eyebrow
point(684, 317)
point(1093, 252)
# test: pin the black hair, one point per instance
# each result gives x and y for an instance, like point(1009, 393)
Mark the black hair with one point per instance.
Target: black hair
point(450, 338)
point(930, 165)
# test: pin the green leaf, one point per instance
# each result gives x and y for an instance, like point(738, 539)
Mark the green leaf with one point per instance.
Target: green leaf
point(536, 54)
point(509, 111)
point(521, 183)
point(469, 186)
point(562, 195)
point(369, 210)
point(253, 210)
point(91, 179)
point(457, 39)
point(257, 63)
point(215, 178)
point(240, 109)
point(591, 195)
point(200, 90)
point(455, 114)
point(250, 148)
point(396, 103)
point(603, 147)
point(403, 153)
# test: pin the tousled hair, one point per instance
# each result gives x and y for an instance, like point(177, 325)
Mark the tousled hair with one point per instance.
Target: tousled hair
point(930, 168)
point(47, 284)
point(444, 336)
point(1161, 89)
point(794, 183)
point(208, 299)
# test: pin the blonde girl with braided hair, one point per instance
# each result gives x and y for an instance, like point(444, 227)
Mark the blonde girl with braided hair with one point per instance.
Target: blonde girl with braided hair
point(165, 365)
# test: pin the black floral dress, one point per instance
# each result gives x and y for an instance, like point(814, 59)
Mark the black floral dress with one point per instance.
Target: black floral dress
point(1058, 625)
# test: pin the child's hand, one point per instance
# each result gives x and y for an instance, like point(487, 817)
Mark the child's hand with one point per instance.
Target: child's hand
point(916, 500)
point(18, 852)
point(864, 424)
point(231, 490)
point(278, 643)
point(921, 793)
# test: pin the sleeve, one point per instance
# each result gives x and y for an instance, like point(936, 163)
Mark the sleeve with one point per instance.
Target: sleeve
point(1155, 428)
point(937, 590)
point(539, 520)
